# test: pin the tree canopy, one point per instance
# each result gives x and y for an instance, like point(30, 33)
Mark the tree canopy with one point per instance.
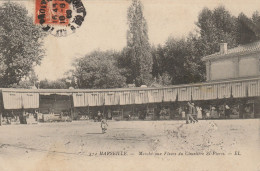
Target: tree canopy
point(98, 70)
point(20, 44)
point(56, 84)
point(217, 26)
point(138, 47)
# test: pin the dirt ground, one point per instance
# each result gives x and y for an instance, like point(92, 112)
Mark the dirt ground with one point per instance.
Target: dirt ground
point(132, 145)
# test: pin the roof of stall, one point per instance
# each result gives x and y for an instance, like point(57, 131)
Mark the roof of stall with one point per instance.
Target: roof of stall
point(68, 91)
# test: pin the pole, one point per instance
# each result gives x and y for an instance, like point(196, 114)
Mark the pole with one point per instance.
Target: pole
point(122, 113)
point(254, 109)
point(88, 112)
point(103, 110)
point(71, 107)
point(147, 110)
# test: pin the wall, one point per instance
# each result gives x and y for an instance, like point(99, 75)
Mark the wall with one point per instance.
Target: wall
point(248, 67)
point(223, 69)
point(235, 67)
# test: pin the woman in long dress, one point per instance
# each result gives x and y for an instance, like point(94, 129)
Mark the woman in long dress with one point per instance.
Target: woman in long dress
point(199, 110)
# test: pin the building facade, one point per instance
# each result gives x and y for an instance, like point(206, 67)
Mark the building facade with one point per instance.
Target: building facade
point(240, 62)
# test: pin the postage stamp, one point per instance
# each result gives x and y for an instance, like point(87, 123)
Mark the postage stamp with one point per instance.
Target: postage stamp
point(59, 17)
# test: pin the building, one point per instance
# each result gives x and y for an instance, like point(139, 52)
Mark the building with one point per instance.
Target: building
point(239, 62)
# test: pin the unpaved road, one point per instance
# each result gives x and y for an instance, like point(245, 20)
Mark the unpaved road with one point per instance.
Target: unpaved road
point(132, 145)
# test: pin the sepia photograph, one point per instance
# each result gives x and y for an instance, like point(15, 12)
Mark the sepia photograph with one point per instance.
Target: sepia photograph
point(129, 85)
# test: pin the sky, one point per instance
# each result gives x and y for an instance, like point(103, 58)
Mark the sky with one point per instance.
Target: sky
point(105, 27)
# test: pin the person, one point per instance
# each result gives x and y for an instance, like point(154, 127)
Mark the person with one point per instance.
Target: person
point(247, 112)
point(99, 116)
point(162, 113)
point(213, 113)
point(227, 111)
point(207, 112)
point(199, 110)
point(104, 125)
point(183, 112)
point(157, 112)
point(191, 110)
point(25, 114)
point(36, 115)
point(195, 112)
point(142, 114)
point(109, 115)
point(51, 111)
point(129, 116)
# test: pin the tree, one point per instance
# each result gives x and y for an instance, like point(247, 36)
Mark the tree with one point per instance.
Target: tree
point(138, 47)
point(256, 18)
point(162, 80)
point(217, 26)
point(246, 34)
point(30, 81)
point(70, 79)
point(179, 61)
point(2, 66)
point(177, 53)
point(249, 28)
point(20, 44)
point(98, 70)
point(159, 60)
point(122, 62)
point(194, 65)
point(256, 22)
point(57, 84)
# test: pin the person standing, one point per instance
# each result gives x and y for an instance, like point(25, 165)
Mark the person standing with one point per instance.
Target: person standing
point(199, 110)
point(99, 116)
point(191, 110)
point(109, 115)
point(227, 111)
point(183, 112)
point(104, 125)
point(194, 112)
point(158, 112)
point(247, 112)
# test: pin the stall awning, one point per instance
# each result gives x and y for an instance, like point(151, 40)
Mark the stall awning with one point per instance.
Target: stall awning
point(30, 100)
point(79, 100)
point(14, 100)
point(95, 99)
point(155, 96)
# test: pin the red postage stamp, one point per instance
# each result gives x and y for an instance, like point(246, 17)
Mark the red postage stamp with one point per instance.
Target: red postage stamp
point(59, 17)
point(52, 12)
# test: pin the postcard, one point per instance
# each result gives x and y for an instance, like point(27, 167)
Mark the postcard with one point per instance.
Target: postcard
point(129, 85)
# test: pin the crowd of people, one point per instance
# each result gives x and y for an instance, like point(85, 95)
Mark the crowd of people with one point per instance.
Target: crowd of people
point(190, 111)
